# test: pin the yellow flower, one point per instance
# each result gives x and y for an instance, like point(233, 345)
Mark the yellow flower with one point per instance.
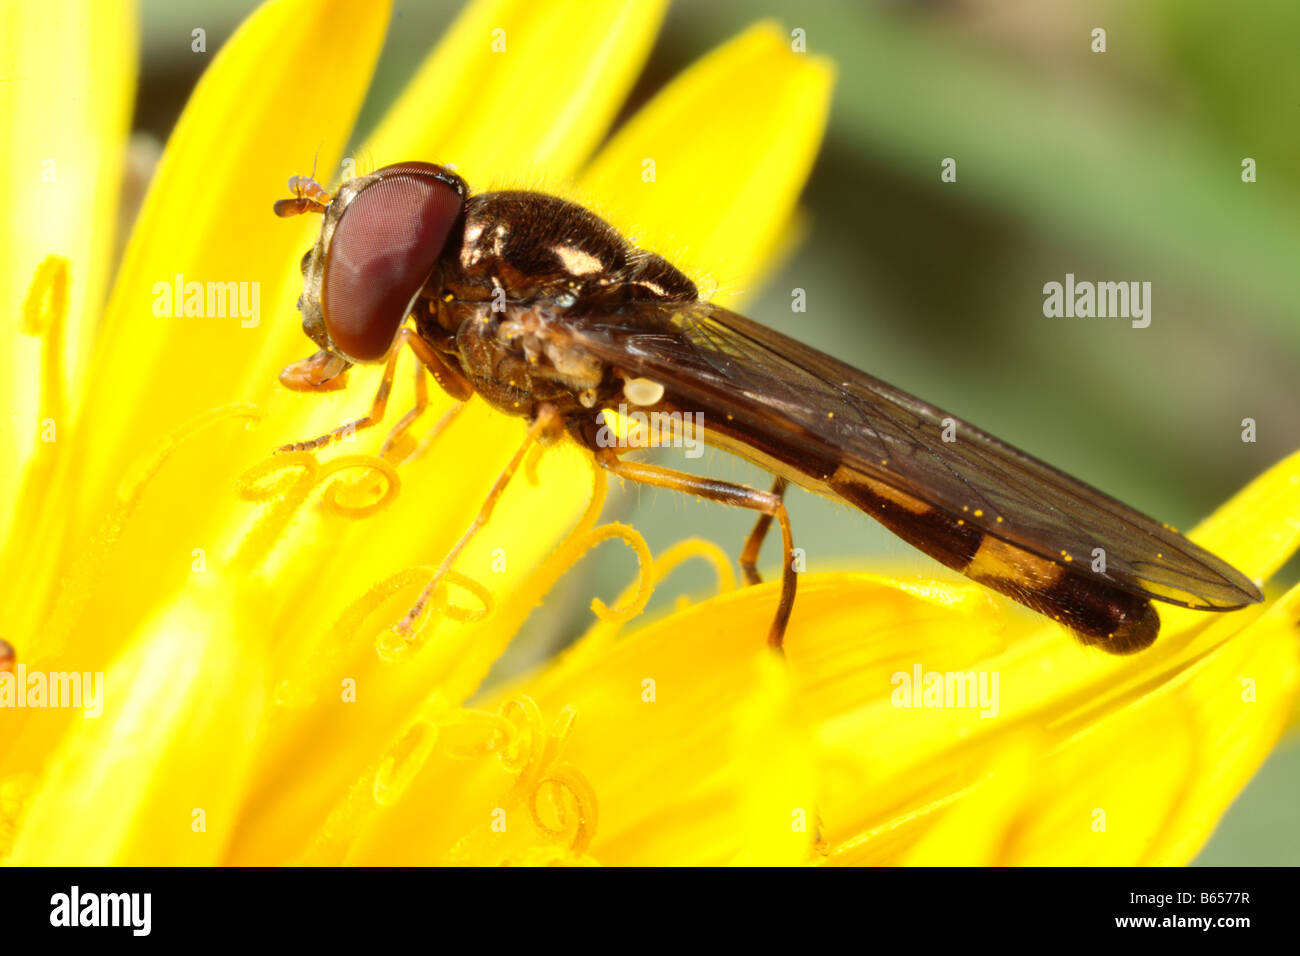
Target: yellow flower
point(231, 599)
point(700, 749)
point(254, 707)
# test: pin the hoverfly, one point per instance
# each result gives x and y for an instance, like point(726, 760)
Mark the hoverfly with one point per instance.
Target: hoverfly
point(545, 311)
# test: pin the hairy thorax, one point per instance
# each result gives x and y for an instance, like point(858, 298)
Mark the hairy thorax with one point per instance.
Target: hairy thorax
point(527, 264)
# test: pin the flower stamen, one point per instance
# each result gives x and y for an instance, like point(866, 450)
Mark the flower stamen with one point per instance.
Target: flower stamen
point(289, 493)
point(44, 314)
point(391, 647)
point(83, 580)
point(624, 609)
point(338, 490)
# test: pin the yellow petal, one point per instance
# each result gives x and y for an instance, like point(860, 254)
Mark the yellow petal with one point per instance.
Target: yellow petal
point(776, 818)
point(1147, 782)
point(1133, 760)
point(261, 111)
point(518, 90)
point(160, 777)
point(971, 827)
point(713, 187)
point(310, 585)
point(1258, 529)
point(65, 108)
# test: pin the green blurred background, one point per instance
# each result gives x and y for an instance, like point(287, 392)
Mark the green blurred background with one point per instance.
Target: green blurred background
point(1123, 165)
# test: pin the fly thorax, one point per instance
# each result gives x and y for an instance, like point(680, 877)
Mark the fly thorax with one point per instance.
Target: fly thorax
point(536, 334)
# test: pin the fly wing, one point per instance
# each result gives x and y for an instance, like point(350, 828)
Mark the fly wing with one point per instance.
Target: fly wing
point(830, 423)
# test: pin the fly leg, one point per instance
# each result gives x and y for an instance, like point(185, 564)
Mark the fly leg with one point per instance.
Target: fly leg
point(399, 430)
point(452, 381)
point(754, 543)
point(768, 503)
point(391, 450)
point(377, 408)
point(448, 417)
point(546, 425)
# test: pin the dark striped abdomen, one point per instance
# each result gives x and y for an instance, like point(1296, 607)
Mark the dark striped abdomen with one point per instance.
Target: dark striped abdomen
point(1099, 614)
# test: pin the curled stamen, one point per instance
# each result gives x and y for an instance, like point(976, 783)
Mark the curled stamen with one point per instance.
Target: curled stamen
point(584, 536)
point(252, 484)
point(351, 620)
point(44, 313)
point(560, 800)
point(439, 728)
point(529, 593)
point(669, 561)
point(474, 734)
point(625, 610)
point(465, 615)
point(564, 721)
point(47, 296)
point(297, 474)
point(86, 572)
point(37, 531)
point(575, 547)
point(544, 781)
point(342, 634)
point(689, 548)
point(143, 470)
point(522, 711)
point(385, 645)
point(406, 758)
point(566, 780)
point(335, 492)
point(287, 495)
point(354, 618)
point(392, 644)
point(403, 762)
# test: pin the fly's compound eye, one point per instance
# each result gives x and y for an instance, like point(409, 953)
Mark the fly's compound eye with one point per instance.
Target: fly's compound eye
point(384, 248)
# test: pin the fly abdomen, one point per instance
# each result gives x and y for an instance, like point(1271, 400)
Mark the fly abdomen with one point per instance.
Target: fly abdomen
point(951, 541)
point(1099, 614)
